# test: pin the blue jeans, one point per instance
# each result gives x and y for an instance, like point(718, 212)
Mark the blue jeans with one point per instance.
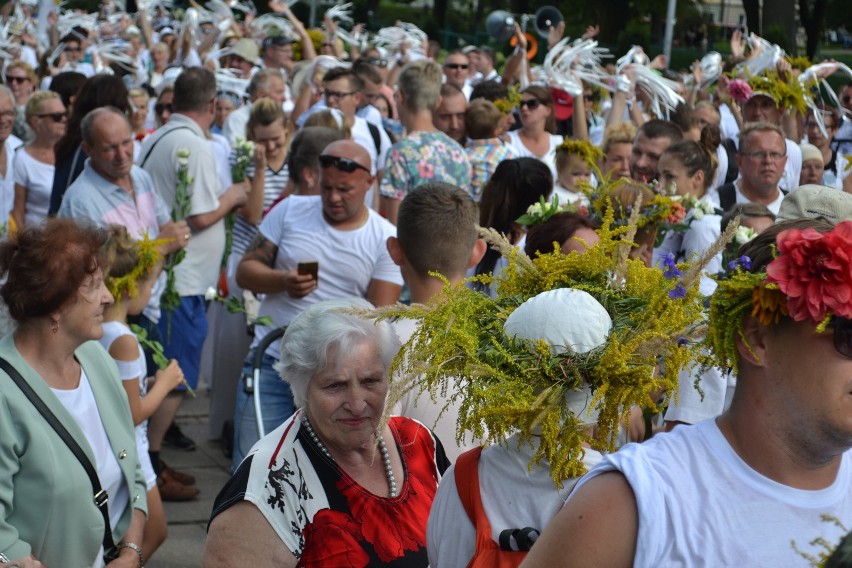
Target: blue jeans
point(276, 406)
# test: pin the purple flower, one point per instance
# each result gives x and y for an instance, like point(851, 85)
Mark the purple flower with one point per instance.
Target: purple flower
point(742, 262)
point(745, 262)
point(671, 269)
point(677, 292)
point(682, 342)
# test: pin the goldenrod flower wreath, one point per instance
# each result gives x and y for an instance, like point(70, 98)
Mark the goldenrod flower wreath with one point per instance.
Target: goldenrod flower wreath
point(504, 385)
point(148, 256)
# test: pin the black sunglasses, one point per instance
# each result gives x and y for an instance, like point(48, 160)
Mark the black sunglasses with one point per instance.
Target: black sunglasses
point(532, 104)
point(842, 336)
point(11, 79)
point(456, 65)
point(54, 116)
point(160, 109)
point(343, 164)
point(377, 62)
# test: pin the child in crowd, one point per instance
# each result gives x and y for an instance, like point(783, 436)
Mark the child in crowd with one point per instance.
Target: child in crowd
point(574, 162)
point(485, 150)
point(130, 270)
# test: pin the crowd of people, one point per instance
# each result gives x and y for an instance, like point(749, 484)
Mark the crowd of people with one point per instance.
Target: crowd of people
point(447, 305)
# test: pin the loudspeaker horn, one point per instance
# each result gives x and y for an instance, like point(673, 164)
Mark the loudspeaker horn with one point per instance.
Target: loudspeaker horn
point(500, 25)
point(545, 18)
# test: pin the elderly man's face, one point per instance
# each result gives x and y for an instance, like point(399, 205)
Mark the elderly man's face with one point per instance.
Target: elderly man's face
point(273, 89)
point(345, 179)
point(344, 402)
point(456, 67)
point(761, 160)
point(449, 116)
point(111, 150)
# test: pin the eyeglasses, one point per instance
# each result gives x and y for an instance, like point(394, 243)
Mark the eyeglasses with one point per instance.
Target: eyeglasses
point(12, 79)
point(377, 62)
point(532, 104)
point(456, 65)
point(160, 109)
point(343, 164)
point(842, 336)
point(773, 156)
point(54, 116)
point(337, 94)
point(73, 48)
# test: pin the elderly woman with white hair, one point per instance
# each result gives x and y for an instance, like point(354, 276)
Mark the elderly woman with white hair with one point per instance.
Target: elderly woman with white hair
point(335, 485)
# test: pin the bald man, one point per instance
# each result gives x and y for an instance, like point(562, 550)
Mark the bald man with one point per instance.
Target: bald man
point(345, 242)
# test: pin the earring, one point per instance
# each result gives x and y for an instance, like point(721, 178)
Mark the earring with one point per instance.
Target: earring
point(54, 327)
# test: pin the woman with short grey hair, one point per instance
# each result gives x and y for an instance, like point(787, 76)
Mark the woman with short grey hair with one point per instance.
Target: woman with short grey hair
point(336, 484)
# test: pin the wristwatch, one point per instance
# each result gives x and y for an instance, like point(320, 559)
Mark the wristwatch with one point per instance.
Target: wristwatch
point(135, 548)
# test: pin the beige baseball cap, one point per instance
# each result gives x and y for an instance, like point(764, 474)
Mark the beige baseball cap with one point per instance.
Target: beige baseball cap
point(816, 201)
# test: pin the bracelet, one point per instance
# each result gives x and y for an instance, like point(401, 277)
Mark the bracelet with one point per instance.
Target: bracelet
point(135, 548)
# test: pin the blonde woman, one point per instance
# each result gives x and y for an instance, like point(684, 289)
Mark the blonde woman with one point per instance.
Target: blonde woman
point(34, 163)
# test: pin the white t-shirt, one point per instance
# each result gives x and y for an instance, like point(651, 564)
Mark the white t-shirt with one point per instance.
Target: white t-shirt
point(80, 403)
point(37, 177)
point(348, 260)
point(513, 497)
point(199, 270)
point(700, 504)
point(361, 135)
point(235, 124)
point(7, 184)
point(792, 169)
point(440, 414)
point(521, 151)
point(691, 407)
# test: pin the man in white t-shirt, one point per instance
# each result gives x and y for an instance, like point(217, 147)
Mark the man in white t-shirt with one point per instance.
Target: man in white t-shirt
point(347, 242)
point(183, 330)
point(761, 158)
point(767, 482)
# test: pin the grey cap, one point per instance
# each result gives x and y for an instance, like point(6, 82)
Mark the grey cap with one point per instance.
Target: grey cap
point(816, 201)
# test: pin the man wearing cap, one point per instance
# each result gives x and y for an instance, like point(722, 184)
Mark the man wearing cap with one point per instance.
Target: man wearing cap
point(814, 201)
point(761, 108)
point(344, 237)
point(277, 53)
point(243, 57)
point(813, 167)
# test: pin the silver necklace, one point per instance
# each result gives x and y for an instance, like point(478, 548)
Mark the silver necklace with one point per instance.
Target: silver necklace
point(383, 449)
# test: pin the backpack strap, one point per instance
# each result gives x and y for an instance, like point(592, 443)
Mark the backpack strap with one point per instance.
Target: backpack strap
point(467, 484)
point(377, 138)
point(157, 141)
point(727, 196)
point(731, 150)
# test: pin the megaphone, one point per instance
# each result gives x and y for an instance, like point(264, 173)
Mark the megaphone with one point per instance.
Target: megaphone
point(500, 25)
point(545, 18)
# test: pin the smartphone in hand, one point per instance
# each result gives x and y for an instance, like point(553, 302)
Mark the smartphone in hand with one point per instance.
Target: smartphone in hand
point(309, 267)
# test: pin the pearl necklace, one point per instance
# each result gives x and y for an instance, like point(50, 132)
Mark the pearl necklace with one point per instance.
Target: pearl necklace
point(383, 449)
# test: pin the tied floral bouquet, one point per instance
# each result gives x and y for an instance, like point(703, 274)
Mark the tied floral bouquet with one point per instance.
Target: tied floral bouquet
point(170, 299)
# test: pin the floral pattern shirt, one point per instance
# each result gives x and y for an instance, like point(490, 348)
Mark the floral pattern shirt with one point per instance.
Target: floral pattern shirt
point(423, 157)
point(322, 515)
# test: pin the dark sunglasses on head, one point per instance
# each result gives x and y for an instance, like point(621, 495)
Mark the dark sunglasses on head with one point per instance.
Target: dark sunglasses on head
point(377, 62)
point(343, 164)
point(456, 65)
point(842, 336)
point(160, 109)
point(54, 116)
point(10, 79)
point(532, 104)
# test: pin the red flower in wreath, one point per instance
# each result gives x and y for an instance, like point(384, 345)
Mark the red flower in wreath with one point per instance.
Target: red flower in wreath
point(814, 271)
point(332, 539)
